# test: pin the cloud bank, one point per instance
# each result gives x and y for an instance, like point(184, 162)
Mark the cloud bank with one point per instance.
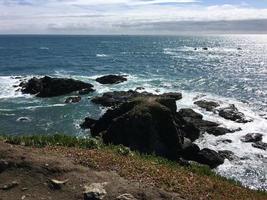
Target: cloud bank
point(129, 17)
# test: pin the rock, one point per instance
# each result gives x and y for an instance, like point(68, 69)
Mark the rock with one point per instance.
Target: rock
point(88, 123)
point(189, 150)
point(217, 131)
point(208, 105)
point(205, 48)
point(111, 79)
point(142, 124)
point(85, 91)
point(227, 155)
point(260, 145)
point(225, 141)
point(195, 49)
point(252, 137)
point(233, 114)
point(75, 99)
point(126, 197)
point(111, 99)
point(187, 112)
point(210, 158)
point(23, 119)
point(56, 184)
point(95, 191)
point(50, 87)
point(9, 185)
point(239, 48)
point(139, 88)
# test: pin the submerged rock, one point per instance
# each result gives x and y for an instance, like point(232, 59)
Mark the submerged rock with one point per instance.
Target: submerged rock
point(208, 105)
point(252, 137)
point(233, 114)
point(50, 87)
point(111, 79)
point(75, 99)
point(260, 145)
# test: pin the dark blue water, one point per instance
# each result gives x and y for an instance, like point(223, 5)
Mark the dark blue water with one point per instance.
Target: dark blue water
point(223, 73)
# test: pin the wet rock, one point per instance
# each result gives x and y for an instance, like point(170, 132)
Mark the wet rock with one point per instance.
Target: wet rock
point(187, 112)
point(126, 197)
point(189, 150)
point(252, 137)
point(224, 141)
point(142, 124)
point(228, 155)
point(95, 191)
point(111, 79)
point(205, 48)
point(210, 158)
point(88, 123)
point(239, 48)
point(174, 95)
point(260, 145)
point(23, 119)
point(233, 114)
point(208, 105)
point(50, 87)
point(75, 99)
point(217, 131)
point(139, 88)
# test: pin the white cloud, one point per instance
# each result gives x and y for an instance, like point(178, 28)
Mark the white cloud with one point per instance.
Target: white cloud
point(93, 16)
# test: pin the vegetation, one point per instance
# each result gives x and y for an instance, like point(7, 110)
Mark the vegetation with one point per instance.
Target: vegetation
point(194, 182)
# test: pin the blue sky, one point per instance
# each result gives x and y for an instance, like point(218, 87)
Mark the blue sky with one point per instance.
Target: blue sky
point(132, 16)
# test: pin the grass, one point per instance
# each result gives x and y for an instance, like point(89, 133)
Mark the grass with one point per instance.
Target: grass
point(194, 182)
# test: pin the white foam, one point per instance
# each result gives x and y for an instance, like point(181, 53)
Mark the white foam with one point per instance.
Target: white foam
point(7, 89)
point(102, 55)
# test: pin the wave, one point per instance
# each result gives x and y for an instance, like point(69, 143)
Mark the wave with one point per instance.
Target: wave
point(102, 55)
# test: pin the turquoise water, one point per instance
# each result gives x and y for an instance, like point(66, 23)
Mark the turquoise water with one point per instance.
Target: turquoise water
point(158, 63)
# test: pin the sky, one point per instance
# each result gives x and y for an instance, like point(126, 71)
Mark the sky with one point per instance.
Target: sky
point(132, 16)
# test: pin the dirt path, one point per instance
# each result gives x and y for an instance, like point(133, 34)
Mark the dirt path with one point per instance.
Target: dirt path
point(26, 173)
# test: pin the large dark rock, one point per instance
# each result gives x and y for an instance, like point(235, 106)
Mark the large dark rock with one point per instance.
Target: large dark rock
point(208, 105)
point(189, 150)
point(111, 79)
point(111, 99)
point(187, 112)
point(88, 123)
point(210, 158)
point(233, 114)
point(217, 131)
point(252, 137)
point(50, 87)
point(142, 124)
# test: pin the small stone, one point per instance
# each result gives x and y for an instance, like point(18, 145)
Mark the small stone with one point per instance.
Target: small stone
point(95, 191)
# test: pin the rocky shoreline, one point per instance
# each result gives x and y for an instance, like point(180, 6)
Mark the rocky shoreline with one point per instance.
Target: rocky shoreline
point(147, 122)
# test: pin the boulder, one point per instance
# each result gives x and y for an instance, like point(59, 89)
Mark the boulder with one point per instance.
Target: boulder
point(174, 95)
point(75, 99)
point(233, 114)
point(210, 158)
point(111, 79)
point(260, 145)
point(227, 155)
point(50, 87)
point(189, 150)
point(217, 131)
point(143, 124)
point(208, 105)
point(252, 137)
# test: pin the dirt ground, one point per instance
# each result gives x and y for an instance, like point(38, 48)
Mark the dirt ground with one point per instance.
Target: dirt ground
point(26, 173)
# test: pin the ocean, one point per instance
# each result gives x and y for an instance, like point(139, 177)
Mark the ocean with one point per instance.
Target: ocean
point(232, 71)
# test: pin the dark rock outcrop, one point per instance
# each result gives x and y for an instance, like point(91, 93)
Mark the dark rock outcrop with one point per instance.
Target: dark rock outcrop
point(75, 99)
point(143, 124)
point(111, 79)
point(50, 87)
point(187, 112)
point(252, 137)
point(233, 114)
point(110, 99)
point(208, 105)
point(217, 131)
point(88, 123)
